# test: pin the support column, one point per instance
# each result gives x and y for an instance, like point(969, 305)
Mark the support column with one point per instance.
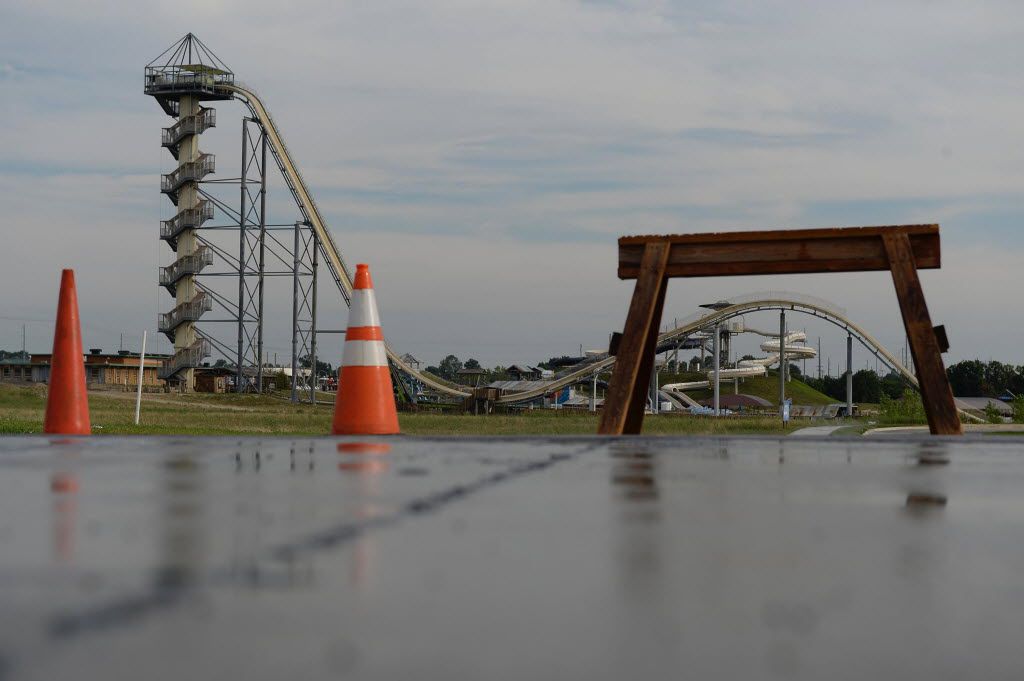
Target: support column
point(312, 318)
point(242, 214)
point(715, 350)
point(263, 250)
point(654, 386)
point(295, 315)
point(849, 375)
point(188, 198)
point(593, 394)
point(782, 360)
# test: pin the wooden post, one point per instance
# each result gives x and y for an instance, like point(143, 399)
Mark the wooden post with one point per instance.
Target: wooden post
point(624, 402)
point(936, 393)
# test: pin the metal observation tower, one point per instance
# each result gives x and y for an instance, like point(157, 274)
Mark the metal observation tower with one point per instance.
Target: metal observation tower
point(240, 248)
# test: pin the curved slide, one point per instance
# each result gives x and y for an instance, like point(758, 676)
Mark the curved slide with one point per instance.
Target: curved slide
point(335, 263)
point(690, 327)
point(747, 367)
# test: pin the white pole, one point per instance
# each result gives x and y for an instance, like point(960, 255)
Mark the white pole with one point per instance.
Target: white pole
point(142, 363)
point(716, 350)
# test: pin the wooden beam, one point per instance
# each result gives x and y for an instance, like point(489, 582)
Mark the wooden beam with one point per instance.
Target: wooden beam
point(623, 410)
point(846, 249)
point(936, 393)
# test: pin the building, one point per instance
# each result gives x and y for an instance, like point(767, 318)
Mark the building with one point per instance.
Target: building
point(16, 369)
point(107, 370)
point(518, 372)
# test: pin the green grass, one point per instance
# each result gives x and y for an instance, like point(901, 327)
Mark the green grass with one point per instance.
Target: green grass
point(21, 411)
point(767, 387)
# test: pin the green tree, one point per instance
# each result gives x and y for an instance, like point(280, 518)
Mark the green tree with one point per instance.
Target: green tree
point(866, 386)
point(1018, 409)
point(992, 413)
point(472, 364)
point(449, 367)
point(908, 409)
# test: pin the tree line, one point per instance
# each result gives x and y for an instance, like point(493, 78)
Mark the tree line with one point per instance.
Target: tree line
point(969, 378)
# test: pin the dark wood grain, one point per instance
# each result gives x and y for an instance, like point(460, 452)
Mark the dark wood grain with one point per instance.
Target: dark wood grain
point(850, 249)
point(623, 410)
point(936, 393)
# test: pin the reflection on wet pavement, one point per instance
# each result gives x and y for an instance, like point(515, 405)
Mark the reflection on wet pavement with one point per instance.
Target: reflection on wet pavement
point(585, 558)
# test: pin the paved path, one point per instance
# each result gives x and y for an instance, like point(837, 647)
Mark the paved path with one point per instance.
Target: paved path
point(170, 558)
point(815, 431)
point(969, 428)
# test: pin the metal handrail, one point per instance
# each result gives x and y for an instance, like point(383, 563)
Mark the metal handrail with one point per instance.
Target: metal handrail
point(188, 218)
point(188, 172)
point(187, 264)
point(189, 125)
point(189, 357)
point(173, 78)
point(190, 311)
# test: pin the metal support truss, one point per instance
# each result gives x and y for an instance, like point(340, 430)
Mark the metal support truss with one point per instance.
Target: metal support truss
point(304, 288)
point(252, 232)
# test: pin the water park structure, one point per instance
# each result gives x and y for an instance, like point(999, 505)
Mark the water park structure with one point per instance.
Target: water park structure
point(189, 74)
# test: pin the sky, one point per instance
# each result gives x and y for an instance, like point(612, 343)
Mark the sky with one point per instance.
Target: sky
point(483, 157)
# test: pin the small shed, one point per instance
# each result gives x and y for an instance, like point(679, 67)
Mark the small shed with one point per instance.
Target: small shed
point(522, 372)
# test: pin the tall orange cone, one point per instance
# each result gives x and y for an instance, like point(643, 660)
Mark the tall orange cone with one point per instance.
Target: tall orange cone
point(365, 404)
point(67, 406)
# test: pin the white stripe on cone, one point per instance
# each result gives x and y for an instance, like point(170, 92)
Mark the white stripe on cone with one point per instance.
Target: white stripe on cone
point(360, 353)
point(363, 311)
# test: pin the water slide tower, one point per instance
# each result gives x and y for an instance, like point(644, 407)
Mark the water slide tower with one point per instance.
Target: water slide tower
point(181, 79)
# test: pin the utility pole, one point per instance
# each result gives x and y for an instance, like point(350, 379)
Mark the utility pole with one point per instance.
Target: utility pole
point(819, 358)
point(593, 395)
point(715, 351)
point(849, 375)
point(23, 353)
point(782, 360)
point(654, 386)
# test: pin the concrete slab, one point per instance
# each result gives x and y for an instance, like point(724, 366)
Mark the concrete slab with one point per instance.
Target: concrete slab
point(815, 431)
point(638, 558)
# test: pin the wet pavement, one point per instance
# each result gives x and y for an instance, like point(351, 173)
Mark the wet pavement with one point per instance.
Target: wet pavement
point(642, 558)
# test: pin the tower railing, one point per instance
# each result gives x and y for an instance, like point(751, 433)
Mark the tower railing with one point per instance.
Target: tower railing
point(184, 79)
point(191, 171)
point(187, 218)
point(188, 125)
point(186, 358)
point(187, 264)
point(190, 311)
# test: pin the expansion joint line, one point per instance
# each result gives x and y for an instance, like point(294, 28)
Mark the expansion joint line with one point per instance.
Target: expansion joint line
point(162, 596)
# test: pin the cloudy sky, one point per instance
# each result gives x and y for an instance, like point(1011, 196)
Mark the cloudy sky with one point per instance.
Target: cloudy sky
point(484, 156)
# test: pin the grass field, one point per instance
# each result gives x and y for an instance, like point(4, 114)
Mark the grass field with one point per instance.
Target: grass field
point(767, 387)
point(21, 411)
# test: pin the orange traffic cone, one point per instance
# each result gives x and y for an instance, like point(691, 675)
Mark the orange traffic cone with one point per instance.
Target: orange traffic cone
point(67, 406)
point(365, 404)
